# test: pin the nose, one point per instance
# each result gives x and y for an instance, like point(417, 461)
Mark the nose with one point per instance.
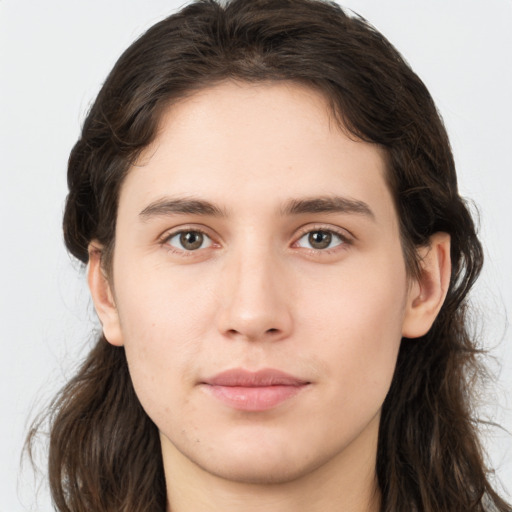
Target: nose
point(255, 298)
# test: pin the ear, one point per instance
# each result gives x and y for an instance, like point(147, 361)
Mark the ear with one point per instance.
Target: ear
point(427, 293)
point(102, 296)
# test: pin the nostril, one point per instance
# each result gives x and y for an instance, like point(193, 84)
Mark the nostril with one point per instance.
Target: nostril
point(235, 332)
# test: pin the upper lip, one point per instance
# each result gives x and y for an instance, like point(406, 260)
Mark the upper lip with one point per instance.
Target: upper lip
point(261, 378)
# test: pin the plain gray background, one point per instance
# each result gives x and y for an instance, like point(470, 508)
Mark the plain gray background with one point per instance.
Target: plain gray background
point(54, 56)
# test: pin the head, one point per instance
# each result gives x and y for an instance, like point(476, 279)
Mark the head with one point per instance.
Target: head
point(341, 81)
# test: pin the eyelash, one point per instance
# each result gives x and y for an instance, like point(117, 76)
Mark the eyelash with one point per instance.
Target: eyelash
point(345, 240)
point(165, 241)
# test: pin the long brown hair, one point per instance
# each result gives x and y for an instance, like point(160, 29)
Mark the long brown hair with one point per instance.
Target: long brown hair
point(104, 452)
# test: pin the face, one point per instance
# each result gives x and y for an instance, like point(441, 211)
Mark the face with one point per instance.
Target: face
point(258, 284)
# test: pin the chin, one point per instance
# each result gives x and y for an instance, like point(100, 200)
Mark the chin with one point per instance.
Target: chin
point(261, 463)
point(264, 473)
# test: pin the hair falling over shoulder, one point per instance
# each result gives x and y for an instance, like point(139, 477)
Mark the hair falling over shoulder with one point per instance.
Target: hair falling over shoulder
point(104, 452)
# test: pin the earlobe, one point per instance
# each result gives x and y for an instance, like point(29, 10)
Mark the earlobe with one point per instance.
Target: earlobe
point(102, 296)
point(428, 292)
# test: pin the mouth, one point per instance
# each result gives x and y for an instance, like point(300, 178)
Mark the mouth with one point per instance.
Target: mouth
point(254, 391)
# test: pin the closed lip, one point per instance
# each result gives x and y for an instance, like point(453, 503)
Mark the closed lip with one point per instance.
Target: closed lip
point(258, 391)
point(239, 377)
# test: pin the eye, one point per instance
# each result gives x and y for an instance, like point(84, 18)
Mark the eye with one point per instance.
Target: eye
point(189, 240)
point(320, 239)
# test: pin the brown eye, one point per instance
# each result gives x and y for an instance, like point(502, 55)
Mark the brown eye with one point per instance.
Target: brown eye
point(320, 239)
point(189, 240)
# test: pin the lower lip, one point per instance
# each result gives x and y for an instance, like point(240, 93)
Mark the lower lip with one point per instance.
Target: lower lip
point(255, 399)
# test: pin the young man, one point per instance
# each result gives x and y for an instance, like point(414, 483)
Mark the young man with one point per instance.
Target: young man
point(278, 254)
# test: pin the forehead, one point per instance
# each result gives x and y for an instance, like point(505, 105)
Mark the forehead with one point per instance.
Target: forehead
point(242, 145)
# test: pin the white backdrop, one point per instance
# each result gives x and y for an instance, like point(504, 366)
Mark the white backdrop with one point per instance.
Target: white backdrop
point(53, 57)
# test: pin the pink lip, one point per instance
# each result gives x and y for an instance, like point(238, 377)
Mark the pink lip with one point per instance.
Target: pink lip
point(254, 391)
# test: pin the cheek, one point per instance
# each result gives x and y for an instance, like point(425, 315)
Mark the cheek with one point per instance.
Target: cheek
point(157, 305)
point(357, 322)
point(165, 323)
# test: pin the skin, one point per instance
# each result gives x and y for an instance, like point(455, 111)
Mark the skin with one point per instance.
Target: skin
point(258, 294)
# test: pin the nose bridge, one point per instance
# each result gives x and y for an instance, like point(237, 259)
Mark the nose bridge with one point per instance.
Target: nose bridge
point(254, 303)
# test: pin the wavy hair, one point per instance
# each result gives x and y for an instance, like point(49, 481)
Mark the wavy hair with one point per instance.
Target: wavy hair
point(104, 452)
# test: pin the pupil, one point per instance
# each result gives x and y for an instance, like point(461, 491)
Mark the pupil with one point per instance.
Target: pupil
point(320, 239)
point(191, 240)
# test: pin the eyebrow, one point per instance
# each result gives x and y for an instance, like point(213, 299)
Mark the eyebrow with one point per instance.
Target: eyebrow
point(184, 206)
point(190, 206)
point(327, 204)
